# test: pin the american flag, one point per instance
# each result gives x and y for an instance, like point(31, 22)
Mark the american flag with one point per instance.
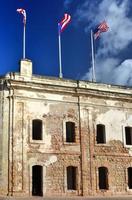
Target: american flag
point(65, 21)
point(103, 27)
point(23, 12)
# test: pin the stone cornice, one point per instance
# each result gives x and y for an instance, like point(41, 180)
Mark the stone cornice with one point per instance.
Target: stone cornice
point(65, 86)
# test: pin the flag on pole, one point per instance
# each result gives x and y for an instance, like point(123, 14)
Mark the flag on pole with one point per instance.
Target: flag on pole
point(102, 27)
point(63, 24)
point(23, 12)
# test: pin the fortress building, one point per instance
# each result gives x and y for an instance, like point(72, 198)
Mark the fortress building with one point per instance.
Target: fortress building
point(64, 137)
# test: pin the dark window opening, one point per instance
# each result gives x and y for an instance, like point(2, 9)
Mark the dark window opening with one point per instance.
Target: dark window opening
point(128, 135)
point(71, 178)
point(100, 137)
point(37, 180)
point(103, 178)
point(129, 170)
point(70, 132)
point(37, 129)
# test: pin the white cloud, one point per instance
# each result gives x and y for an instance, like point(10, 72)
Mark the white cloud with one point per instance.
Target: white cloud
point(123, 73)
point(119, 34)
point(104, 70)
point(112, 43)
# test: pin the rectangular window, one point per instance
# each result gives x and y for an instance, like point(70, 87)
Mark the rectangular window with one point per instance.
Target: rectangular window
point(128, 135)
point(70, 132)
point(37, 129)
point(100, 134)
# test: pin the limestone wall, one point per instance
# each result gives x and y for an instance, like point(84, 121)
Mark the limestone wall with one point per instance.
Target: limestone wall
point(54, 102)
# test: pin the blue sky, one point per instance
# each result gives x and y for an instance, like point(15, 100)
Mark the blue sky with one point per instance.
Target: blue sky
point(113, 48)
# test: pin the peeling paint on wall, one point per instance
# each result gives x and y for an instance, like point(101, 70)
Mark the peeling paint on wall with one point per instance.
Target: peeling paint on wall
point(114, 121)
point(51, 160)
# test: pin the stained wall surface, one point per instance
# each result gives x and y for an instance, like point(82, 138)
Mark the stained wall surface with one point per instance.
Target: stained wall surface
point(53, 101)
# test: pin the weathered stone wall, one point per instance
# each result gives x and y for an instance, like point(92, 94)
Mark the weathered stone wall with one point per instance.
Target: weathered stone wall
point(1, 130)
point(4, 142)
point(52, 152)
point(55, 102)
point(115, 154)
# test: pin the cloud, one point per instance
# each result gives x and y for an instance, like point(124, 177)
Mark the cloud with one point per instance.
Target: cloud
point(119, 34)
point(104, 70)
point(109, 61)
point(123, 73)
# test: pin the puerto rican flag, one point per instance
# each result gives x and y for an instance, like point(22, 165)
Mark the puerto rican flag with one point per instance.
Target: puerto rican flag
point(63, 24)
point(23, 12)
point(102, 27)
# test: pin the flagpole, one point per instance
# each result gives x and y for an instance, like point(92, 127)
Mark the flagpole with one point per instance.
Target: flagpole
point(93, 58)
point(24, 40)
point(60, 60)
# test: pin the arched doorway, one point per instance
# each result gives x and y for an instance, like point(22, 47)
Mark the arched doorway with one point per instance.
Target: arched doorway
point(37, 180)
point(129, 171)
point(71, 178)
point(103, 178)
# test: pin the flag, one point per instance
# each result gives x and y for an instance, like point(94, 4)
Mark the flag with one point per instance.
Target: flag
point(23, 12)
point(65, 21)
point(103, 27)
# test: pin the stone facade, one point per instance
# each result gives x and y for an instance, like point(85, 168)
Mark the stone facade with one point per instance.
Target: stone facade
point(25, 97)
